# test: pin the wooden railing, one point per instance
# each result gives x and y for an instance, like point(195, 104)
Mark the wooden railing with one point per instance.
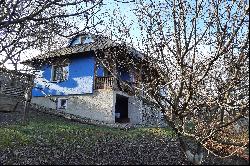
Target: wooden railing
point(104, 82)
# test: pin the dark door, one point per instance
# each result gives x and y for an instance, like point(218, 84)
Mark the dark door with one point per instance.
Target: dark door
point(121, 109)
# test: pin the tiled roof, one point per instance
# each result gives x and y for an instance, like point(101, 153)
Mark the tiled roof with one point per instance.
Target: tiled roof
point(98, 45)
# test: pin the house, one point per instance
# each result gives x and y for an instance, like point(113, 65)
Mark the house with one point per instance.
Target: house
point(74, 79)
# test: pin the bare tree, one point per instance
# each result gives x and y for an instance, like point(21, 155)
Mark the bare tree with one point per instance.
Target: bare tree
point(193, 66)
point(195, 70)
point(42, 24)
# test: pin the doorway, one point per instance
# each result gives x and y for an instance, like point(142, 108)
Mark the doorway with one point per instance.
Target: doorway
point(121, 109)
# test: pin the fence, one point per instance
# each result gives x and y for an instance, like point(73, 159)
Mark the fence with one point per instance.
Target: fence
point(13, 87)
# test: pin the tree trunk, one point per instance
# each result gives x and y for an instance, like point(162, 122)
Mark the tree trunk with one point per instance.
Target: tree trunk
point(26, 105)
point(25, 113)
point(196, 158)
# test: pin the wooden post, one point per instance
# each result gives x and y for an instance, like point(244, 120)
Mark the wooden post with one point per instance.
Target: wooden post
point(27, 96)
point(25, 116)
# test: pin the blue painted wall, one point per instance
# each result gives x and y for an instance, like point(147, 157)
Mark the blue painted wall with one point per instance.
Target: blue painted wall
point(99, 71)
point(80, 79)
point(124, 75)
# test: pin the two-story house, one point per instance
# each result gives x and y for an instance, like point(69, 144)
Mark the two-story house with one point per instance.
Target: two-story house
point(74, 79)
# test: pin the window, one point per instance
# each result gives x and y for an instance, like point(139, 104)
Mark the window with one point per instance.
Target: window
point(62, 103)
point(124, 74)
point(59, 73)
point(87, 39)
point(76, 41)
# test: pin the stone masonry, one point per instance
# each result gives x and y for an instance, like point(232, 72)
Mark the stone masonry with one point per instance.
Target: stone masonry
point(96, 106)
point(100, 106)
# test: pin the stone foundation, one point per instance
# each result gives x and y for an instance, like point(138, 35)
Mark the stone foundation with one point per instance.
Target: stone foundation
point(100, 106)
point(152, 116)
point(96, 106)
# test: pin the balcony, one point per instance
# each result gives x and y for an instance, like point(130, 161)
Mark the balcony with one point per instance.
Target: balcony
point(107, 82)
point(104, 82)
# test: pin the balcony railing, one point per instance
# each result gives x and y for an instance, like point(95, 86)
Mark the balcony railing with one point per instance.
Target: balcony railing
point(107, 82)
point(104, 82)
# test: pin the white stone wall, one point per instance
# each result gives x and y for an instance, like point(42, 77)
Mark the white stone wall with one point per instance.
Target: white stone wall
point(101, 106)
point(151, 115)
point(96, 106)
point(45, 102)
point(134, 110)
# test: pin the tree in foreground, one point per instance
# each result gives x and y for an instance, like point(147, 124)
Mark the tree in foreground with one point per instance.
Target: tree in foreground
point(194, 61)
point(195, 71)
point(42, 25)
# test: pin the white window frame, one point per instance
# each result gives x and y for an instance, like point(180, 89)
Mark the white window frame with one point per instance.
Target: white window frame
point(59, 103)
point(52, 73)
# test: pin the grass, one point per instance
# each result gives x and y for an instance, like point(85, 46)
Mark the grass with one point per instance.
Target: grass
point(54, 140)
point(58, 131)
point(11, 137)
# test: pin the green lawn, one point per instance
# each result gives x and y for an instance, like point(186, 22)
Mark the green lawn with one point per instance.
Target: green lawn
point(58, 131)
point(51, 140)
